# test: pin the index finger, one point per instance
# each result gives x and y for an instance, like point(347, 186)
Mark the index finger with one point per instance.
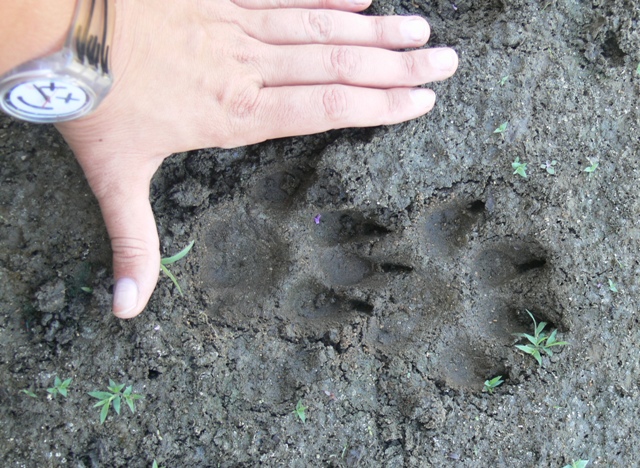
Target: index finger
point(345, 5)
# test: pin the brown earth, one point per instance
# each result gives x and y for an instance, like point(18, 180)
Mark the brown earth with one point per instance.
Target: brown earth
point(385, 318)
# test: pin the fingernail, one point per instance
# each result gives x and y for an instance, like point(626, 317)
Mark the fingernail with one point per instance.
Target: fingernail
point(125, 296)
point(445, 59)
point(359, 2)
point(423, 98)
point(415, 29)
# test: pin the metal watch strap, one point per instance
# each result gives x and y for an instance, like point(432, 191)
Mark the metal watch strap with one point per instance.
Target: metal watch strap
point(91, 34)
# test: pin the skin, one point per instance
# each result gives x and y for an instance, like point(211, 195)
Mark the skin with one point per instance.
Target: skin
point(224, 73)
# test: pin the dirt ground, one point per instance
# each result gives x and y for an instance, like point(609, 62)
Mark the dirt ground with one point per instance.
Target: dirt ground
point(377, 276)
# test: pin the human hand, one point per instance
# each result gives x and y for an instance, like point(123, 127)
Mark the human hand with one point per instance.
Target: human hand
point(223, 73)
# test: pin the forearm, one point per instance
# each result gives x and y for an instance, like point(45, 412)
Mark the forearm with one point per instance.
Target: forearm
point(32, 28)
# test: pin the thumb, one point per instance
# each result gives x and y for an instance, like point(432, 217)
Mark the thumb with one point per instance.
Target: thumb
point(134, 241)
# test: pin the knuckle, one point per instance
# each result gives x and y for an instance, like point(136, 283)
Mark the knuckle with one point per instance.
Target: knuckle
point(243, 104)
point(246, 53)
point(409, 63)
point(379, 28)
point(129, 251)
point(320, 26)
point(344, 63)
point(282, 3)
point(394, 103)
point(335, 102)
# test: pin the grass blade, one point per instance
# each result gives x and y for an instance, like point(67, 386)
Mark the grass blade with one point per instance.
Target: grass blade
point(178, 256)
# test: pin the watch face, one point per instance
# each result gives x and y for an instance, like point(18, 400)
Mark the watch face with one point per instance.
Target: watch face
point(47, 100)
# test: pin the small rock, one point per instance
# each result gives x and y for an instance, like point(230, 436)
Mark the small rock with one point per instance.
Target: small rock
point(51, 297)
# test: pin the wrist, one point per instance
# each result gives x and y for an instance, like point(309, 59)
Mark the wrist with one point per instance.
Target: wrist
point(32, 28)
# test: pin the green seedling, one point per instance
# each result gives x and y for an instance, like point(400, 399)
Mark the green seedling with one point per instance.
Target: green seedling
point(491, 385)
point(613, 287)
point(548, 166)
point(114, 397)
point(638, 69)
point(540, 341)
point(593, 167)
point(173, 259)
point(155, 465)
point(300, 411)
point(86, 289)
point(502, 128)
point(520, 168)
point(577, 464)
point(59, 387)
point(28, 393)
point(504, 80)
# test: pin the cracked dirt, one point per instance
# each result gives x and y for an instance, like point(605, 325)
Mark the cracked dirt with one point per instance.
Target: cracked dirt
point(376, 275)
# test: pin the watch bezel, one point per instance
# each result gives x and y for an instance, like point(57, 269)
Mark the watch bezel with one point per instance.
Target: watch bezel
point(84, 61)
point(52, 68)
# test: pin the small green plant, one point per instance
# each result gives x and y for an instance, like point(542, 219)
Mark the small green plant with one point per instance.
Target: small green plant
point(59, 387)
point(491, 385)
point(114, 396)
point(86, 289)
point(28, 393)
point(300, 411)
point(173, 259)
point(155, 465)
point(638, 69)
point(540, 341)
point(502, 128)
point(594, 163)
point(548, 166)
point(504, 80)
point(520, 168)
point(613, 287)
point(577, 464)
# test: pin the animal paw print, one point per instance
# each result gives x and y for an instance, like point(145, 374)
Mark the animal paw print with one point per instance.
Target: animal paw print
point(444, 285)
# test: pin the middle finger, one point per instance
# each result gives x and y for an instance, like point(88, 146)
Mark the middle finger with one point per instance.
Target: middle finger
point(359, 66)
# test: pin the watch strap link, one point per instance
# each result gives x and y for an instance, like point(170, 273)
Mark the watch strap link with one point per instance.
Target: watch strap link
point(91, 35)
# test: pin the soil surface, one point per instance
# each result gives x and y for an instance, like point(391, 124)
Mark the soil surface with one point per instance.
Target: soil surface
point(376, 276)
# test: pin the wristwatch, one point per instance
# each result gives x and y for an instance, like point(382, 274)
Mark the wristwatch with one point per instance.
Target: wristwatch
point(71, 82)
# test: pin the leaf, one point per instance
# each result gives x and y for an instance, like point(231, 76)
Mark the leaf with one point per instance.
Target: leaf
point(300, 411)
point(66, 383)
point(557, 343)
point(29, 393)
point(86, 289)
point(102, 403)
point(536, 354)
point(116, 404)
point(103, 413)
point(63, 391)
point(638, 69)
point(501, 128)
point(526, 348)
point(612, 286)
point(173, 278)
point(101, 395)
point(131, 404)
point(57, 382)
point(178, 256)
point(593, 167)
